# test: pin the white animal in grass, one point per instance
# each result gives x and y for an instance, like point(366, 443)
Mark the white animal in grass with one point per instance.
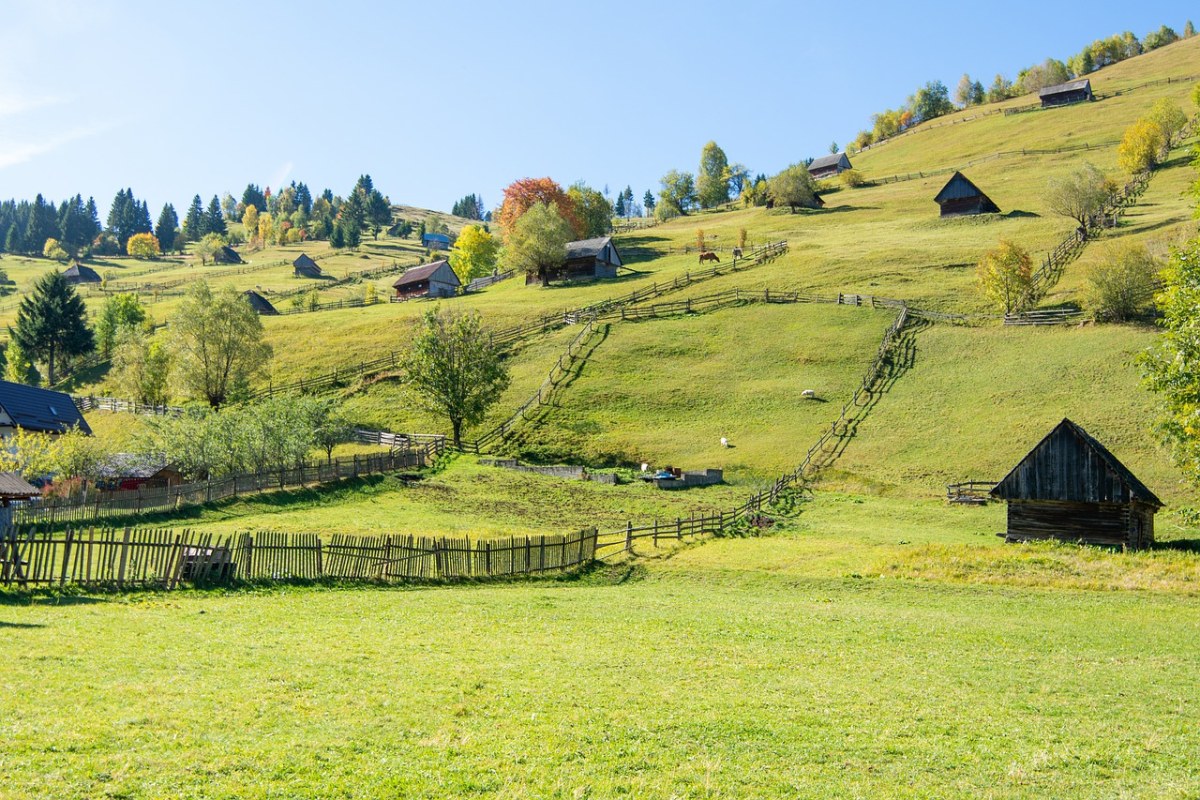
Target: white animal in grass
point(724, 442)
point(808, 394)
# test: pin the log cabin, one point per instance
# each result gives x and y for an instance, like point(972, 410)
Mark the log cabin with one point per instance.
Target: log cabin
point(436, 279)
point(960, 197)
point(1063, 94)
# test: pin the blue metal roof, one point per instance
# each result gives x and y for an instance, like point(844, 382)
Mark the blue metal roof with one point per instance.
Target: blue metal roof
point(37, 409)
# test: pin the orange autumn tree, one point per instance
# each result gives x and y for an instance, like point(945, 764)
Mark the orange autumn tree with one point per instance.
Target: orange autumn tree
point(523, 194)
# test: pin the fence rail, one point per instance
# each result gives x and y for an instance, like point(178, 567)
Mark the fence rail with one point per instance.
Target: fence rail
point(970, 492)
point(479, 284)
point(146, 558)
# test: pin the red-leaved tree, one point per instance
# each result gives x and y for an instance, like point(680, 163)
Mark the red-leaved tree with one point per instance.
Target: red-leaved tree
point(526, 192)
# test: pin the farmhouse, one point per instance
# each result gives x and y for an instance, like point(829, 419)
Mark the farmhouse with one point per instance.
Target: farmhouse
point(81, 274)
point(829, 166)
point(1066, 93)
point(1069, 487)
point(305, 267)
point(960, 197)
point(436, 279)
point(259, 303)
point(40, 410)
point(125, 471)
point(436, 241)
point(587, 259)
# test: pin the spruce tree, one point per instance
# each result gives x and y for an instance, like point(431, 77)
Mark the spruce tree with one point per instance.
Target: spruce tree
point(14, 242)
point(214, 221)
point(52, 324)
point(42, 225)
point(193, 223)
point(168, 221)
point(93, 219)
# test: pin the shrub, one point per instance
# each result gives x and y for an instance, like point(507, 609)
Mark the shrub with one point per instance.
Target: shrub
point(55, 251)
point(853, 179)
point(1123, 283)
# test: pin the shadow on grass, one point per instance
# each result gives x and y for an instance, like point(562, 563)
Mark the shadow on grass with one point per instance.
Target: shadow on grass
point(1181, 545)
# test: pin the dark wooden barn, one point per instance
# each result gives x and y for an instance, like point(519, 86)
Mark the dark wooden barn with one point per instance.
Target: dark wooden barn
point(259, 303)
point(587, 260)
point(829, 166)
point(436, 279)
point(1069, 487)
point(125, 471)
point(305, 267)
point(1063, 94)
point(81, 274)
point(227, 255)
point(960, 197)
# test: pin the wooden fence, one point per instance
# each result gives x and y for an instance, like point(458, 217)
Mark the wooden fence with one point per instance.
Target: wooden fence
point(117, 405)
point(104, 504)
point(479, 284)
point(911, 176)
point(147, 558)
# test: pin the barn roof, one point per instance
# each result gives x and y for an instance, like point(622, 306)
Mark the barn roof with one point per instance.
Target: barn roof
point(13, 486)
point(437, 237)
point(587, 248)
point(831, 160)
point(959, 187)
point(306, 265)
point(259, 303)
point(1064, 88)
point(78, 273)
point(227, 255)
point(1072, 466)
point(132, 465)
point(424, 272)
point(43, 410)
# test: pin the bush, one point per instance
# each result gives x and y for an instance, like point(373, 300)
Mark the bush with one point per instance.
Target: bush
point(55, 251)
point(853, 179)
point(106, 244)
point(1123, 283)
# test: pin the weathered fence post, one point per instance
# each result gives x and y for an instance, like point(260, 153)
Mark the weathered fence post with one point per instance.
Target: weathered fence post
point(629, 535)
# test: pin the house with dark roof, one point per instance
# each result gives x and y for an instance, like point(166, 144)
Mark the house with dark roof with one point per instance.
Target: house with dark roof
point(436, 279)
point(127, 471)
point(259, 303)
point(1063, 94)
point(227, 255)
point(436, 241)
point(829, 166)
point(1071, 488)
point(41, 410)
point(960, 197)
point(78, 273)
point(305, 267)
point(587, 259)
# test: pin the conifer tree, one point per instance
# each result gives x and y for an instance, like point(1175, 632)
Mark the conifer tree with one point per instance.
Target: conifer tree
point(42, 225)
point(164, 231)
point(193, 223)
point(214, 220)
point(52, 324)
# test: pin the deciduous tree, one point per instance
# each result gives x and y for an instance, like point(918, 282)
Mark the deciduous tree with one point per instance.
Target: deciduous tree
point(793, 187)
point(1141, 146)
point(1080, 196)
point(474, 254)
point(452, 367)
point(592, 209)
point(1122, 283)
point(120, 312)
point(521, 195)
point(218, 345)
point(537, 242)
point(142, 245)
point(1005, 277)
point(712, 179)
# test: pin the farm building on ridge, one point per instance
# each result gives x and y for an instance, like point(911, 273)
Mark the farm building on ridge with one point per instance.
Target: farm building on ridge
point(78, 273)
point(40, 410)
point(436, 241)
point(436, 279)
point(829, 166)
point(1070, 488)
point(260, 304)
point(960, 197)
point(1063, 94)
point(587, 259)
point(305, 267)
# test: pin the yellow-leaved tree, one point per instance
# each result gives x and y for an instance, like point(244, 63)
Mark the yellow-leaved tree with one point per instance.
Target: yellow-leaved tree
point(475, 253)
point(142, 245)
point(1141, 146)
point(1006, 277)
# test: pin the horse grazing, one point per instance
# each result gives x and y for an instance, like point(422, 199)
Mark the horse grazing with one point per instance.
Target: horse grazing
point(709, 256)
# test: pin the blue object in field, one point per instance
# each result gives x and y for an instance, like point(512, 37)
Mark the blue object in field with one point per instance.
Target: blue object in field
point(436, 241)
point(663, 474)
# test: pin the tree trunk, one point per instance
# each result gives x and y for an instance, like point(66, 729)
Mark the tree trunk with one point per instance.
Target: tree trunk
point(50, 368)
point(456, 424)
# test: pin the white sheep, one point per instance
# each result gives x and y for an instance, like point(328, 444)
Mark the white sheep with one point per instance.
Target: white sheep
point(809, 394)
point(724, 442)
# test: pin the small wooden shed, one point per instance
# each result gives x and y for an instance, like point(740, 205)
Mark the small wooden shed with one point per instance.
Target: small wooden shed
point(436, 241)
point(829, 166)
point(1071, 488)
point(259, 303)
point(126, 471)
point(436, 279)
point(305, 267)
point(1063, 94)
point(78, 273)
point(587, 259)
point(960, 197)
point(227, 255)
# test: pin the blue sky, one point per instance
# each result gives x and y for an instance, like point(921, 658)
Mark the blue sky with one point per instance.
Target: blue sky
point(436, 100)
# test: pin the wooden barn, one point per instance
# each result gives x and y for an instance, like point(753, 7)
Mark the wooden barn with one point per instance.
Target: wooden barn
point(436, 279)
point(81, 274)
point(588, 259)
point(305, 267)
point(259, 303)
point(1064, 94)
point(436, 241)
point(41, 410)
point(1069, 487)
point(227, 255)
point(125, 471)
point(960, 197)
point(829, 166)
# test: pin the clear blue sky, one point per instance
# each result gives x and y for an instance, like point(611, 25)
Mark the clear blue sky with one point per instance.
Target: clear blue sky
point(436, 100)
